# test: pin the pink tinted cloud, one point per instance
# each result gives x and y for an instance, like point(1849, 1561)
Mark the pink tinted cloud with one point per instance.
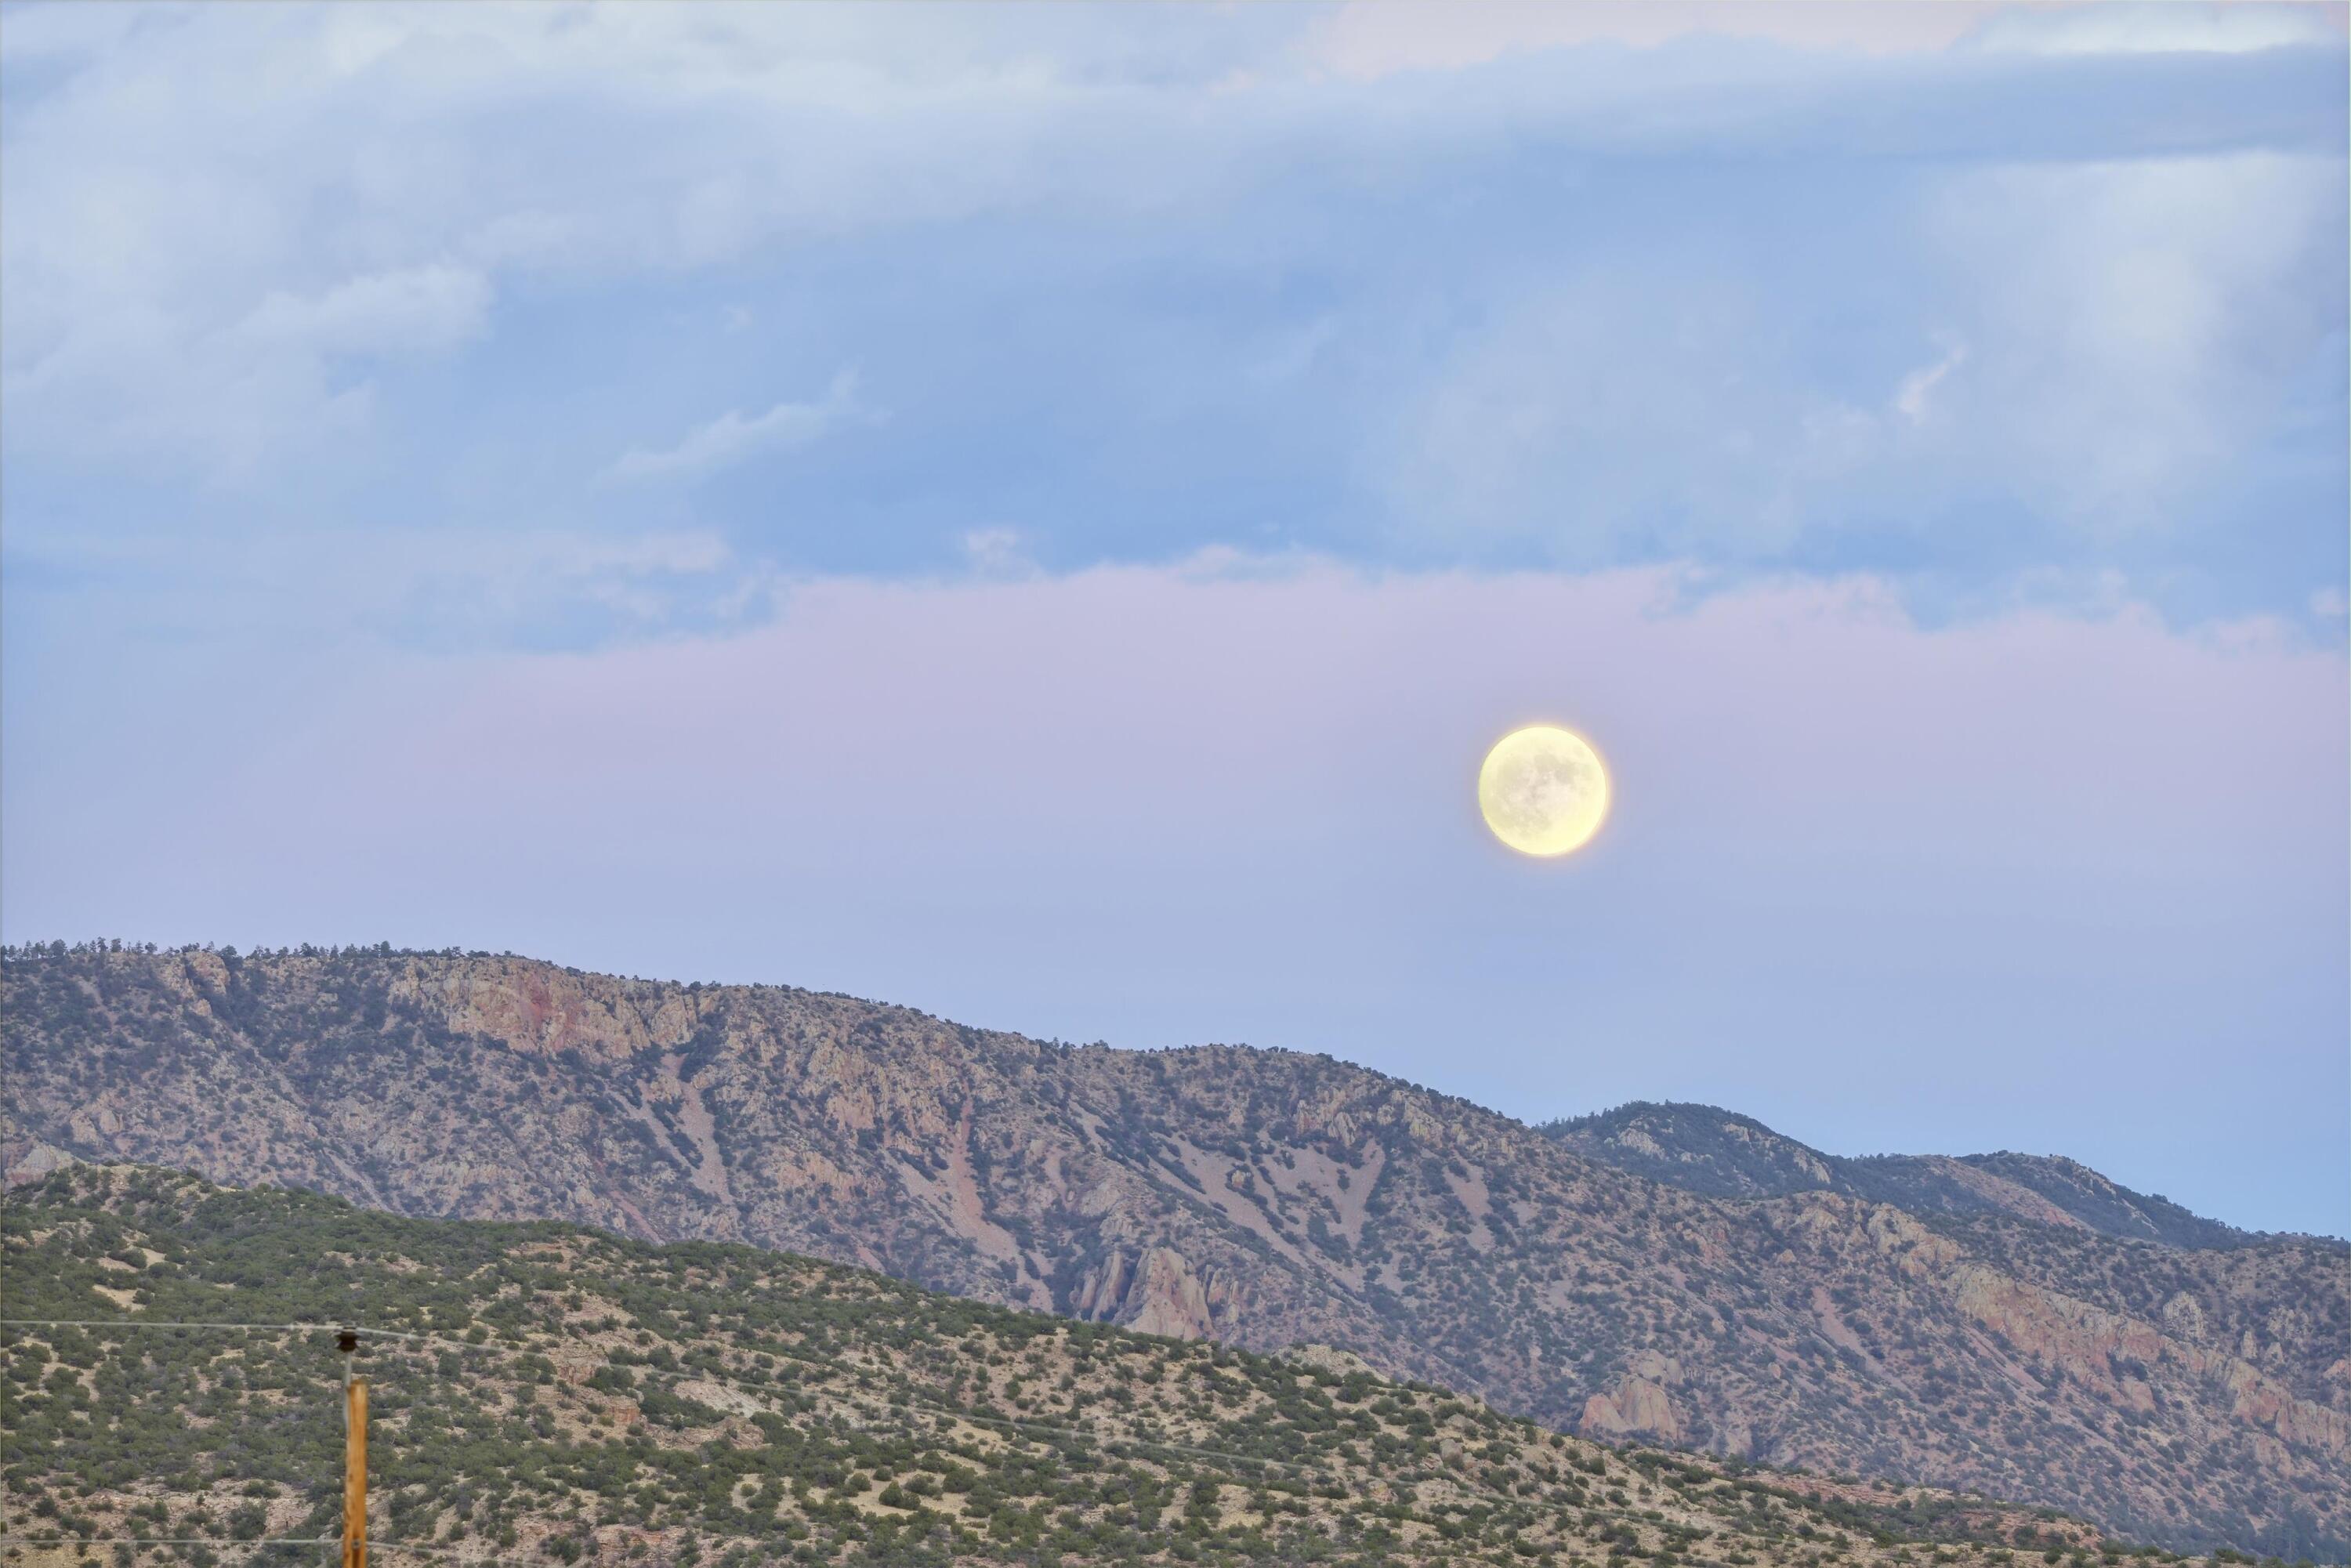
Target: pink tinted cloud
point(1129, 713)
point(1895, 887)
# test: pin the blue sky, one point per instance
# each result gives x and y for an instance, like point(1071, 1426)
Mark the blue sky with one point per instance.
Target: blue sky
point(1035, 512)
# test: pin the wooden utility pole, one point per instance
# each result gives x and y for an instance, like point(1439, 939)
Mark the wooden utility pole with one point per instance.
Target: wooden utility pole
point(354, 1457)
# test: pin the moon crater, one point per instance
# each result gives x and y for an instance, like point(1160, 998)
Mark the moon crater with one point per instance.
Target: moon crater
point(1542, 790)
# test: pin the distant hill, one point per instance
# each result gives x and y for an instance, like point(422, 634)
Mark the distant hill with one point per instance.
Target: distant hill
point(595, 1400)
point(1724, 1154)
point(2194, 1397)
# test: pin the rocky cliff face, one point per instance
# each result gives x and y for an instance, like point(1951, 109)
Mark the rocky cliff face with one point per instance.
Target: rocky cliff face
point(2197, 1397)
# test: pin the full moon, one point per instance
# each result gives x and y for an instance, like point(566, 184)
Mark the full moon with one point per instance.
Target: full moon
point(1543, 790)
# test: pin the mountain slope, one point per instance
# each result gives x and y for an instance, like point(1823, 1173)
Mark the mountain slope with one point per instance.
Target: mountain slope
point(590, 1399)
point(1725, 1154)
point(1263, 1198)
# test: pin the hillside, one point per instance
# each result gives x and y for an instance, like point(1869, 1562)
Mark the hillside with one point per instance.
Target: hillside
point(2196, 1397)
point(1725, 1154)
point(585, 1398)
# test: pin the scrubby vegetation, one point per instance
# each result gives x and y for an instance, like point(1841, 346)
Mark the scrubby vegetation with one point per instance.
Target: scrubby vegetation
point(576, 1397)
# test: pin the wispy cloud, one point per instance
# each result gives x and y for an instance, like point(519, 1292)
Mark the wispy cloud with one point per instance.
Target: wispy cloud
point(734, 437)
point(996, 552)
point(1912, 397)
point(2231, 27)
point(1372, 39)
point(413, 310)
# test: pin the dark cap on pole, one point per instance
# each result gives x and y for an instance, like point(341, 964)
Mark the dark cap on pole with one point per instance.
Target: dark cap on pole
point(348, 1341)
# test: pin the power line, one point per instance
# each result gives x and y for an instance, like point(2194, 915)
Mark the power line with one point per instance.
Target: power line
point(261, 1328)
point(262, 1544)
point(70, 1539)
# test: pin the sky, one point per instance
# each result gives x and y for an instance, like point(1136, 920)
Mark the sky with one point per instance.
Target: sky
point(1037, 513)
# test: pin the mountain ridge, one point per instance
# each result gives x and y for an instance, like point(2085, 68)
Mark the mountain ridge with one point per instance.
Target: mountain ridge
point(1724, 1153)
point(1259, 1198)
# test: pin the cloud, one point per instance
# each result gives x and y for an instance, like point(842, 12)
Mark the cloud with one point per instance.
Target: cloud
point(2227, 28)
point(420, 310)
point(731, 438)
point(549, 588)
point(186, 174)
point(1911, 398)
point(1373, 39)
point(348, 595)
point(996, 552)
point(297, 366)
point(2090, 363)
point(1141, 282)
point(2168, 317)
